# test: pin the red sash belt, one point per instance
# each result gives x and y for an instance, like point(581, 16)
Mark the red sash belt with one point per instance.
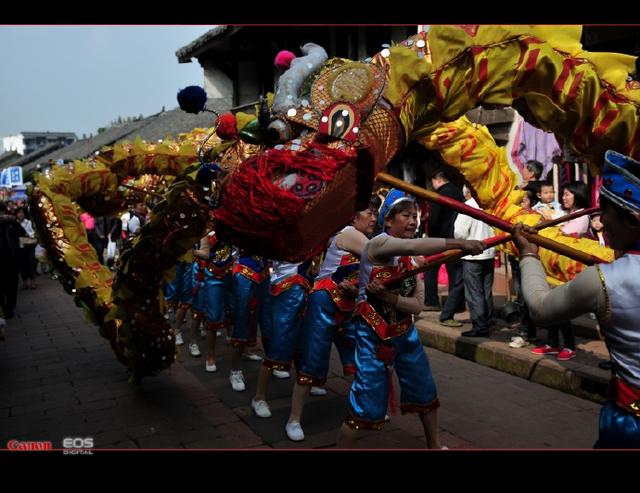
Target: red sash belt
point(250, 274)
point(626, 396)
point(289, 282)
point(329, 285)
point(376, 322)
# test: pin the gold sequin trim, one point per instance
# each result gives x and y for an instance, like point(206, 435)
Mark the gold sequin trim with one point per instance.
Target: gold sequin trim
point(216, 325)
point(304, 379)
point(276, 365)
point(361, 424)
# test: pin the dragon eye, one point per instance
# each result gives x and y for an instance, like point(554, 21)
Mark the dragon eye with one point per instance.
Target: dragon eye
point(278, 131)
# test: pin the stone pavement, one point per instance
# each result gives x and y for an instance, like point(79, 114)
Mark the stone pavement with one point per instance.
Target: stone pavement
point(580, 376)
point(59, 378)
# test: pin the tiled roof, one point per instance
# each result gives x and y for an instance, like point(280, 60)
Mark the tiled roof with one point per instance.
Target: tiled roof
point(198, 45)
point(9, 158)
point(37, 154)
point(175, 121)
point(84, 147)
point(151, 129)
point(70, 135)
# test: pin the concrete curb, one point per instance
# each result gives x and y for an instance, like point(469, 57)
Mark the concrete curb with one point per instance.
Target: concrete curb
point(576, 377)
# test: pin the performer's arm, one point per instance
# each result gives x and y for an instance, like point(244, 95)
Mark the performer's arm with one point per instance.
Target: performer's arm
point(408, 304)
point(584, 294)
point(412, 304)
point(351, 240)
point(383, 247)
point(203, 251)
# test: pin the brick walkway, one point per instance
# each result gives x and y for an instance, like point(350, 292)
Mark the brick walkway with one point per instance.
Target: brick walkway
point(59, 378)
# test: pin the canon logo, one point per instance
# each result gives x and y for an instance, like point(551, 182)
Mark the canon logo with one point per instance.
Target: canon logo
point(17, 445)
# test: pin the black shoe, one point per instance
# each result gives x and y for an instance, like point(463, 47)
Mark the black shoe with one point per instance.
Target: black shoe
point(475, 333)
point(605, 365)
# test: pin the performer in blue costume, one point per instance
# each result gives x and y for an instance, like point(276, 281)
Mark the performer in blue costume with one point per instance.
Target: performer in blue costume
point(213, 267)
point(251, 304)
point(178, 295)
point(290, 284)
point(386, 337)
point(328, 315)
point(610, 291)
point(197, 301)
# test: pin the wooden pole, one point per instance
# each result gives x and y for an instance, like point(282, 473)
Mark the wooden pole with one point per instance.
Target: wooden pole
point(490, 219)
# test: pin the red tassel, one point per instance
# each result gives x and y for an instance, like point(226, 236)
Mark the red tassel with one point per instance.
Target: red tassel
point(252, 306)
point(195, 289)
point(393, 400)
point(386, 354)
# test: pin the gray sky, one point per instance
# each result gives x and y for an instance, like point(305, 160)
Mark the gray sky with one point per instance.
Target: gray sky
point(79, 78)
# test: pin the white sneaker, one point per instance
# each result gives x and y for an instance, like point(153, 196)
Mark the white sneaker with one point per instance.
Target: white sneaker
point(237, 380)
point(211, 368)
point(319, 391)
point(194, 349)
point(518, 342)
point(281, 374)
point(203, 332)
point(252, 356)
point(218, 333)
point(179, 341)
point(261, 408)
point(294, 431)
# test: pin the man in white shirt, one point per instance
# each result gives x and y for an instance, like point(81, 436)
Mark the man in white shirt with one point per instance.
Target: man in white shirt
point(477, 271)
point(137, 219)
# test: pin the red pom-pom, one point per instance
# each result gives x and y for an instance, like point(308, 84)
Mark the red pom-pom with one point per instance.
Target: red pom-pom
point(385, 353)
point(283, 59)
point(227, 129)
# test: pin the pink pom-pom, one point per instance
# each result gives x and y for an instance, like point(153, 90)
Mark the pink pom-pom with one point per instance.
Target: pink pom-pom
point(283, 59)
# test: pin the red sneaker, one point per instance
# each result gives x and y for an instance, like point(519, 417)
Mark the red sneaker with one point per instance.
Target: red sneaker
point(566, 354)
point(546, 349)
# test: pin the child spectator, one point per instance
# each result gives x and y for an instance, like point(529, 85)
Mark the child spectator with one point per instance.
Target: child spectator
point(548, 207)
point(596, 230)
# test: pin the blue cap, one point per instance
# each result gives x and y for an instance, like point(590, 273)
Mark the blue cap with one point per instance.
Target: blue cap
point(619, 184)
point(393, 197)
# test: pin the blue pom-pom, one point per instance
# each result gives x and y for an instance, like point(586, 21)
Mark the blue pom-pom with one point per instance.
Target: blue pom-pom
point(192, 99)
point(207, 173)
